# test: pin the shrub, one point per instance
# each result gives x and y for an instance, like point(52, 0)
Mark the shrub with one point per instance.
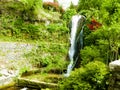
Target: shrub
point(88, 4)
point(68, 14)
point(29, 4)
point(31, 8)
point(17, 27)
point(54, 6)
point(107, 11)
point(89, 53)
point(61, 27)
point(49, 55)
point(106, 42)
point(90, 77)
point(30, 31)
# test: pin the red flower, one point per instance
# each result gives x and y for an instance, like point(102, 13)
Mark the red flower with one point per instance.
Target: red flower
point(94, 25)
point(90, 26)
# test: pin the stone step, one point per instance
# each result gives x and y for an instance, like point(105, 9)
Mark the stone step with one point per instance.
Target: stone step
point(22, 82)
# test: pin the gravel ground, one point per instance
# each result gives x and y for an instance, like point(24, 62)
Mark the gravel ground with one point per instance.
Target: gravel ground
point(12, 59)
point(13, 52)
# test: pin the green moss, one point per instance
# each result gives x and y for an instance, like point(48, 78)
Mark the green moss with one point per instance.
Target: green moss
point(45, 77)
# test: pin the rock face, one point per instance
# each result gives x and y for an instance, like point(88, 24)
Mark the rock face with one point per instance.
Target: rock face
point(115, 78)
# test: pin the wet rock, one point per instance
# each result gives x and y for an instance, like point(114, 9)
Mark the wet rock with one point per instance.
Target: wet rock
point(115, 65)
point(114, 83)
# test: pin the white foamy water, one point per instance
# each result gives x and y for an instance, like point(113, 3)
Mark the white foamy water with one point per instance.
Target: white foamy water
point(75, 22)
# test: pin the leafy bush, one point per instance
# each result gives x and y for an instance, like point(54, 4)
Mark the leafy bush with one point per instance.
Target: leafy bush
point(49, 55)
point(112, 7)
point(29, 31)
point(89, 4)
point(104, 40)
point(53, 6)
point(89, 53)
point(17, 27)
point(59, 27)
point(90, 77)
point(68, 14)
point(32, 4)
point(31, 9)
point(107, 11)
point(26, 9)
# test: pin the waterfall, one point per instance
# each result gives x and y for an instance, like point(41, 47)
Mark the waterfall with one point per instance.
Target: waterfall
point(76, 40)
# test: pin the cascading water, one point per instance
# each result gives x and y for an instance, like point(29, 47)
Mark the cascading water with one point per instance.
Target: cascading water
point(76, 40)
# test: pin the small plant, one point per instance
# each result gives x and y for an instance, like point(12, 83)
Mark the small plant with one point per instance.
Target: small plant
point(68, 14)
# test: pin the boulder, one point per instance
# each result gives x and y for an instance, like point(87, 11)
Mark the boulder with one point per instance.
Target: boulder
point(115, 65)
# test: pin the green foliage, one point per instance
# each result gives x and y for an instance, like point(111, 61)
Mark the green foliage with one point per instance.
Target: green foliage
point(7, 8)
point(59, 27)
point(24, 69)
point(16, 27)
point(112, 8)
point(19, 19)
point(89, 53)
point(90, 77)
point(30, 31)
point(26, 9)
point(106, 41)
point(88, 4)
point(32, 4)
point(31, 8)
point(106, 38)
point(68, 14)
point(49, 55)
point(106, 11)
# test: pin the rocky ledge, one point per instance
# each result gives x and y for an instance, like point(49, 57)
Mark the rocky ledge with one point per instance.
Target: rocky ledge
point(114, 83)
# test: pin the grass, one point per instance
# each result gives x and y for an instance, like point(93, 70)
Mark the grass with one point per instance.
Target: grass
point(14, 39)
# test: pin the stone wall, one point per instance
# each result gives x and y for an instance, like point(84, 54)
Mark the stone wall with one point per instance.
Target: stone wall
point(115, 77)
